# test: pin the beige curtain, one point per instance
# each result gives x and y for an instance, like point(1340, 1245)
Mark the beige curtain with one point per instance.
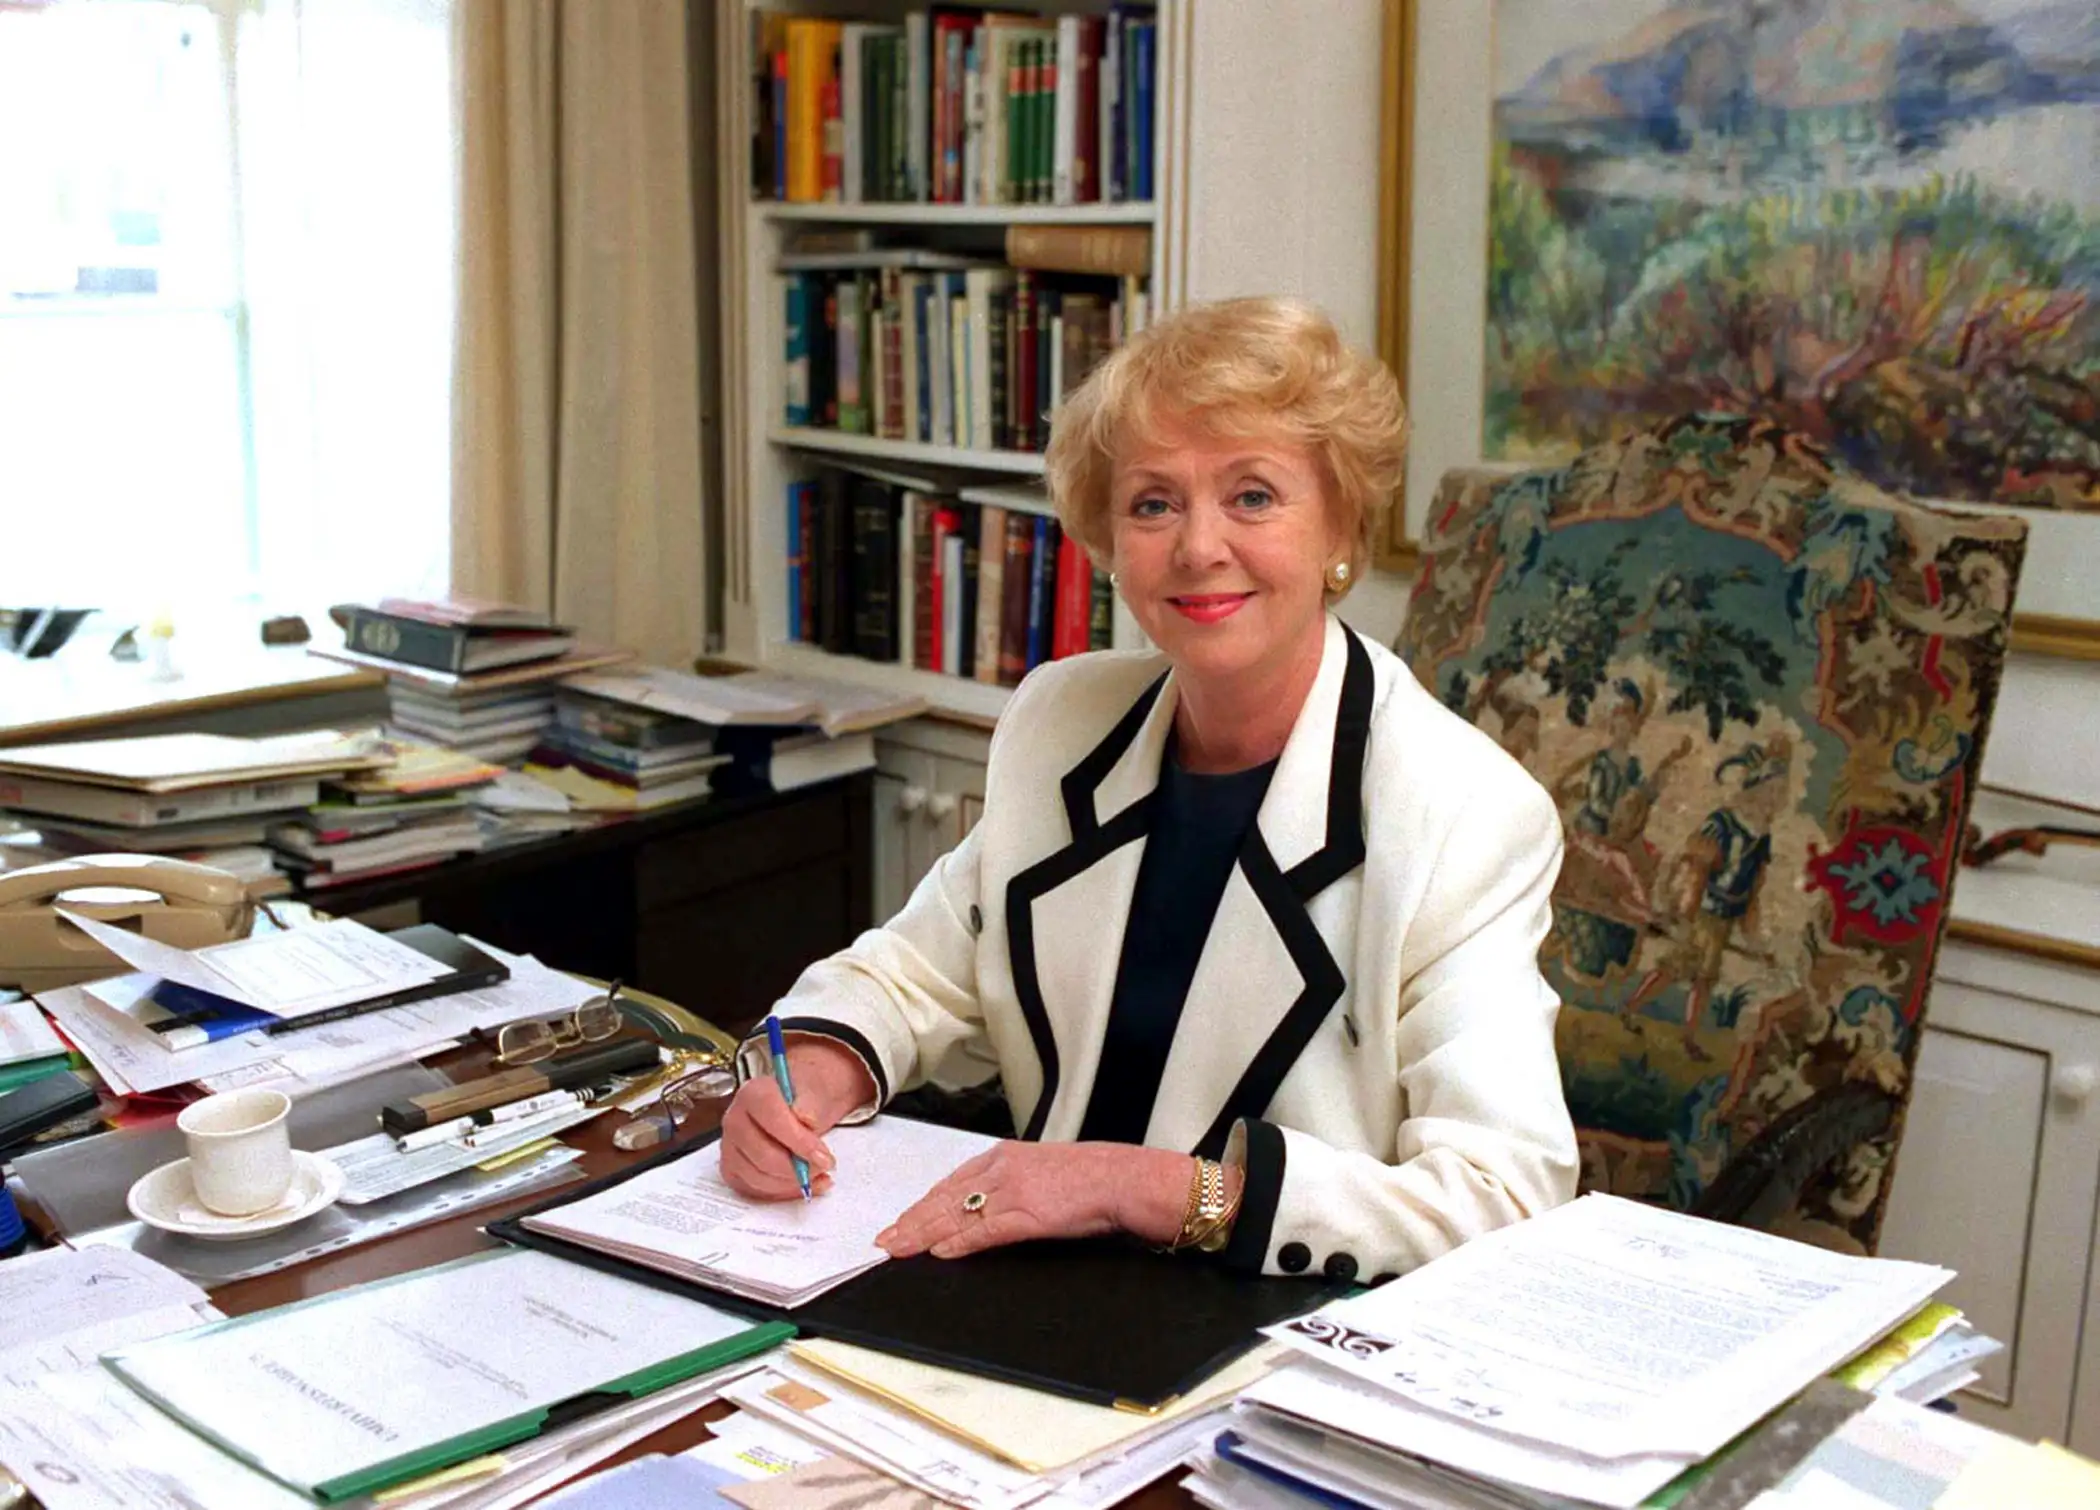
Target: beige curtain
point(577, 482)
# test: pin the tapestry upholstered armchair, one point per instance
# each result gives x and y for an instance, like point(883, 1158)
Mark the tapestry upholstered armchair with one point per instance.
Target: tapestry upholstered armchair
point(1757, 687)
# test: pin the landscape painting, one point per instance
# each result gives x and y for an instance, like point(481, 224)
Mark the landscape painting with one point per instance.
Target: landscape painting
point(1875, 221)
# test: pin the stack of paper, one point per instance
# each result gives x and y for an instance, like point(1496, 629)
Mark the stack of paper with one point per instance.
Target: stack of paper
point(902, 1446)
point(682, 1218)
point(104, 1022)
point(29, 1050)
point(1592, 1354)
point(436, 1352)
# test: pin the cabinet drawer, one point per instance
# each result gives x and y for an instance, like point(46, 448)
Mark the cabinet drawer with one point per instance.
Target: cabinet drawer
point(678, 869)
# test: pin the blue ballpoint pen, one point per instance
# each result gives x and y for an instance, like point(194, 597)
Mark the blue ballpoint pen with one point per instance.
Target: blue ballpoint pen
point(787, 1090)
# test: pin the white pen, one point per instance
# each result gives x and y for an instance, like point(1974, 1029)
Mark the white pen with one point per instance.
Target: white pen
point(504, 1131)
point(430, 1137)
point(531, 1106)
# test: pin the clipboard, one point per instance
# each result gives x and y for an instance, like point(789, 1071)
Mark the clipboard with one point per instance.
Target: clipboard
point(418, 1462)
point(1103, 1320)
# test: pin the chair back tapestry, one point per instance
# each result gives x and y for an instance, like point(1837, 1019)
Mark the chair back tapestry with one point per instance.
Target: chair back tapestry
point(1757, 687)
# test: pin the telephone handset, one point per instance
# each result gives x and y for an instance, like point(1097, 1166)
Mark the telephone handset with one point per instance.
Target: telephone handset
point(168, 900)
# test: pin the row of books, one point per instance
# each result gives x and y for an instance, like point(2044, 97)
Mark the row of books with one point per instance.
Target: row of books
point(895, 570)
point(972, 356)
point(954, 106)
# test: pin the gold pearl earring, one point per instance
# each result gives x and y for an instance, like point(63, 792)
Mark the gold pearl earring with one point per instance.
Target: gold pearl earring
point(1338, 576)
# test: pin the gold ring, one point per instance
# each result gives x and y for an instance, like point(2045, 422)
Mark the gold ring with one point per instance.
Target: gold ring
point(974, 1202)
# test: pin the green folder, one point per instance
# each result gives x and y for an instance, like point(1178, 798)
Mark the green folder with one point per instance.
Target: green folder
point(381, 1473)
point(28, 1071)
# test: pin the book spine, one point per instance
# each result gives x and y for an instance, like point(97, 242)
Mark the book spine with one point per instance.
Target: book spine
point(1013, 623)
point(910, 340)
point(900, 120)
point(795, 302)
point(1042, 564)
point(824, 360)
point(953, 92)
point(832, 524)
point(979, 356)
point(1046, 92)
point(973, 152)
point(1027, 404)
point(1045, 349)
point(904, 563)
point(806, 594)
point(853, 411)
point(893, 353)
point(853, 109)
point(917, 88)
point(940, 378)
point(1141, 173)
point(991, 600)
point(833, 166)
point(435, 647)
point(796, 561)
point(918, 366)
point(952, 599)
point(1112, 97)
point(805, 112)
point(1101, 621)
point(1120, 251)
point(925, 607)
point(937, 106)
point(938, 649)
point(999, 351)
point(1075, 599)
point(780, 123)
point(870, 600)
point(966, 613)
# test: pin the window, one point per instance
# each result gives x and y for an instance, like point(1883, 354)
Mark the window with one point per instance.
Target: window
point(226, 263)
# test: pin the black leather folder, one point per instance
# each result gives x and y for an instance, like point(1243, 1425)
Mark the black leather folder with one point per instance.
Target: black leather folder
point(1105, 1320)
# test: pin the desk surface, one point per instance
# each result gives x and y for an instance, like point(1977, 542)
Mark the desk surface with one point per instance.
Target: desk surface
point(461, 1235)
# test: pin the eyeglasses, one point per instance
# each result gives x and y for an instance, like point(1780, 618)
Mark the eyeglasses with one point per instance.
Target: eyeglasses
point(543, 1038)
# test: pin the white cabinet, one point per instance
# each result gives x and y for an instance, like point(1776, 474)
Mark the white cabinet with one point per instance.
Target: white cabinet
point(1999, 1176)
point(929, 792)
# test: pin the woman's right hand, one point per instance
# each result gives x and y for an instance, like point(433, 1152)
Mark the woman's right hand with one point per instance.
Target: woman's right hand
point(762, 1134)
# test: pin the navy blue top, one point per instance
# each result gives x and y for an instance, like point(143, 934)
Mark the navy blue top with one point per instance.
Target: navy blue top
point(1198, 827)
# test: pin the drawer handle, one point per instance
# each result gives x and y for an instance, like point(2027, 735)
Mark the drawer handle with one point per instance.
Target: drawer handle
point(911, 799)
point(2074, 1084)
point(940, 807)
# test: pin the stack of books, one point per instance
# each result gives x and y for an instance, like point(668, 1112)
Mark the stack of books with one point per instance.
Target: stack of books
point(613, 756)
point(1605, 1353)
point(954, 106)
point(414, 813)
point(212, 798)
point(471, 675)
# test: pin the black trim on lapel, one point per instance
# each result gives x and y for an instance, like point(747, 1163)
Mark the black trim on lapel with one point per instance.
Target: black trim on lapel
point(849, 1037)
point(1247, 1250)
point(1284, 897)
point(1092, 842)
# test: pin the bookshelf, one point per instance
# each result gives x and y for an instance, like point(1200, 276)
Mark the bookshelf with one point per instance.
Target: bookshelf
point(1233, 209)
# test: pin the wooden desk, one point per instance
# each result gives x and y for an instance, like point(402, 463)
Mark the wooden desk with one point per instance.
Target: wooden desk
point(717, 905)
point(455, 1238)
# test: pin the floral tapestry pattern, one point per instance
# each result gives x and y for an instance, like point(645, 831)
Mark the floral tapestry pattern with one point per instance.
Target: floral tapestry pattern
point(1757, 687)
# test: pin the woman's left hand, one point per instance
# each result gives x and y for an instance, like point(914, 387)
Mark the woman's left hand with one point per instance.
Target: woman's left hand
point(1032, 1190)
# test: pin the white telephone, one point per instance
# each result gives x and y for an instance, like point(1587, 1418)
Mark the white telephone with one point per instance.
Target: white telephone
point(168, 900)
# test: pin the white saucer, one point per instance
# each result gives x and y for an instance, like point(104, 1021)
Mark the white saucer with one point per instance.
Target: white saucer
point(166, 1199)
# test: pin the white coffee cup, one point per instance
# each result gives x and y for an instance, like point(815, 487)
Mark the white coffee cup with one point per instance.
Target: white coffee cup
point(240, 1150)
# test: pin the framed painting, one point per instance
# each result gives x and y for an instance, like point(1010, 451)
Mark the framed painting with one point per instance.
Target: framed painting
point(1878, 224)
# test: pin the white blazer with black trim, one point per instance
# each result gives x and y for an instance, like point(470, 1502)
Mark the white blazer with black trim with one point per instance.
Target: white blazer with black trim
point(1367, 1029)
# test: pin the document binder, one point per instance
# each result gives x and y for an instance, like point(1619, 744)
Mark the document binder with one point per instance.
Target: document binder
point(1104, 1320)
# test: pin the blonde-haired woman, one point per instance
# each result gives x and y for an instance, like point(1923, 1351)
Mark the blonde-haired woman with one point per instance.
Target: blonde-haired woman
point(1250, 923)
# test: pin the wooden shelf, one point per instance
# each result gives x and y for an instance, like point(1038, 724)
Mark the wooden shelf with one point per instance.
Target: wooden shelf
point(952, 695)
point(876, 212)
point(874, 448)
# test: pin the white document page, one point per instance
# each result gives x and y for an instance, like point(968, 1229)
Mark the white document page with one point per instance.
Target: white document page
point(707, 699)
point(1332, 1403)
point(312, 1393)
point(82, 1441)
point(289, 974)
point(1028, 1427)
point(24, 1034)
point(684, 1211)
point(48, 1294)
point(1615, 1328)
